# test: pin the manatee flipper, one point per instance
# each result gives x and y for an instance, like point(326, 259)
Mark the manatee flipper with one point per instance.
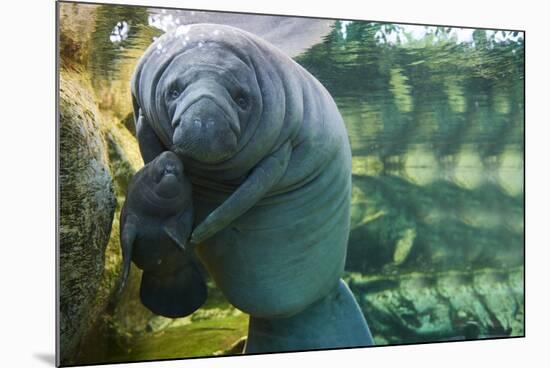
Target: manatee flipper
point(266, 174)
point(150, 145)
point(173, 295)
point(128, 234)
point(179, 227)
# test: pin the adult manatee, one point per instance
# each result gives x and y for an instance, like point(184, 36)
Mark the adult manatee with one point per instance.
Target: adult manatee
point(269, 158)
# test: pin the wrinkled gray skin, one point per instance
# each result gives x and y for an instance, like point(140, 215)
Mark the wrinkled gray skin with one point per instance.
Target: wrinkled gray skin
point(268, 154)
point(156, 222)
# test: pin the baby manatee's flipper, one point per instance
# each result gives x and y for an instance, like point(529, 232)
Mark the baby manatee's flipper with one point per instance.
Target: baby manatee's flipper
point(173, 295)
point(129, 230)
point(179, 228)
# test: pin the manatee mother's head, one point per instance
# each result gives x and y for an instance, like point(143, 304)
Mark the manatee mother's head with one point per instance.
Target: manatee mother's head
point(203, 90)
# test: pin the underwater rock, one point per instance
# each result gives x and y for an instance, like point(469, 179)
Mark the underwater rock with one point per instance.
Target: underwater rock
point(180, 322)
point(399, 225)
point(124, 157)
point(86, 205)
point(204, 314)
point(158, 323)
point(125, 315)
point(441, 306)
point(403, 246)
point(129, 123)
point(119, 160)
point(124, 160)
point(380, 236)
point(236, 348)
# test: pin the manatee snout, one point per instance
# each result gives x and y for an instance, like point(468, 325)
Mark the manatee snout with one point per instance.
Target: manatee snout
point(207, 130)
point(168, 175)
point(168, 163)
point(207, 114)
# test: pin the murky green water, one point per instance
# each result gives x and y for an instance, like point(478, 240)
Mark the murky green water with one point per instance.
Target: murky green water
point(435, 118)
point(436, 125)
point(436, 129)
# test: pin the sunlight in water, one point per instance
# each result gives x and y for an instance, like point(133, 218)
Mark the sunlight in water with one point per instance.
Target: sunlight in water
point(468, 169)
point(510, 172)
point(420, 165)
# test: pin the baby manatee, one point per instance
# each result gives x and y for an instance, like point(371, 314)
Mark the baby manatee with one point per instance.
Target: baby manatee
point(156, 222)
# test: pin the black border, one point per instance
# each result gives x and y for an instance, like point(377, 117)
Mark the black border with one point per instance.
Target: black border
point(57, 213)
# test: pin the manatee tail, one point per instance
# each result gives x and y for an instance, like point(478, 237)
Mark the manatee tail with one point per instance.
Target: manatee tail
point(173, 295)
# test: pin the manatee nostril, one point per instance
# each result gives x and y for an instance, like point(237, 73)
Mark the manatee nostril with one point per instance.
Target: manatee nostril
point(197, 122)
point(169, 169)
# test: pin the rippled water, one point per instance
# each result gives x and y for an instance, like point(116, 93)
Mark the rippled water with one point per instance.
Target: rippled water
point(435, 117)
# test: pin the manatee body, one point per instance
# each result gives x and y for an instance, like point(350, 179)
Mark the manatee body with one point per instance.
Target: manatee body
point(269, 157)
point(156, 222)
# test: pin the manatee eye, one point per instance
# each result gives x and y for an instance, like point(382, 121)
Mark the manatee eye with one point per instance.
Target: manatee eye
point(174, 93)
point(241, 100)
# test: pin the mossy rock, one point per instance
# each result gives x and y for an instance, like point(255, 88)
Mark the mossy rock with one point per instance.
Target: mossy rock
point(129, 123)
point(441, 306)
point(86, 204)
